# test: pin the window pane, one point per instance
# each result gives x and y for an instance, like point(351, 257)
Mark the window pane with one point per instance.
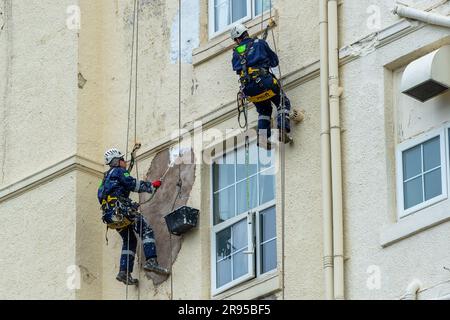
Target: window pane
point(433, 184)
point(224, 205)
point(223, 244)
point(268, 224)
point(223, 272)
point(239, 9)
point(243, 195)
point(242, 170)
point(412, 162)
point(413, 192)
point(268, 256)
point(266, 186)
point(221, 14)
point(266, 158)
point(431, 154)
point(223, 171)
point(231, 243)
point(262, 3)
point(240, 264)
point(240, 238)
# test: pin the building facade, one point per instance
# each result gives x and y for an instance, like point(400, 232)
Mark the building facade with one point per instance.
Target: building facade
point(69, 92)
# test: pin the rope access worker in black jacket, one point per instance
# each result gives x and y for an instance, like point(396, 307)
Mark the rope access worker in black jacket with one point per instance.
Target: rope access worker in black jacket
point(120, 213)
point(252, 60)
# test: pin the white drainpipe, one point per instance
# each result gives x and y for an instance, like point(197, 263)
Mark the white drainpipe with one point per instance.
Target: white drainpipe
point(336, 160)
point(416, 14)
point(327, 213)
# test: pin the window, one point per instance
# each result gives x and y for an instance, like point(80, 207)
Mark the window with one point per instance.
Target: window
point(224, 13)
point(243, 217)
point(422, 172)
point(261, 6)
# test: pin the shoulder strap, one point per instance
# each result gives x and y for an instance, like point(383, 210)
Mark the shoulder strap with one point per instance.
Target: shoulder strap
point(243, 57)
point(105, 177)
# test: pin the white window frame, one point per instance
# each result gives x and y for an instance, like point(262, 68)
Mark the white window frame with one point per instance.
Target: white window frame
point(251, 14)
point(258, 236)
point(249, 216)
point(254, 15)
point(442, 133)
point(253, 224)
point(212, 21)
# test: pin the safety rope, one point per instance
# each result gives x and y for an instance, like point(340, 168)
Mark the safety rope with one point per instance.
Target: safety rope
point(135, 143)
point(282, 163)
point(128, 130)
point(180, 181)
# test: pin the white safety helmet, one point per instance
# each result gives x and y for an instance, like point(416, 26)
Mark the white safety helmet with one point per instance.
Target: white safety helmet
point(112, 154)
point(238, 30)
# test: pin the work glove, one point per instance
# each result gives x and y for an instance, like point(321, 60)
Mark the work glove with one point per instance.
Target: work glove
point(156, 184)
point(146, 187)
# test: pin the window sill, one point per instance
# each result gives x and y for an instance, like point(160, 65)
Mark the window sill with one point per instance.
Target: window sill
point(222, 42)
point(415, 223)
point(253, 289)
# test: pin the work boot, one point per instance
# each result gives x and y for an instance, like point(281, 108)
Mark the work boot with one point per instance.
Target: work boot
point(285, 138)
point(152, 265)
point(126, 279)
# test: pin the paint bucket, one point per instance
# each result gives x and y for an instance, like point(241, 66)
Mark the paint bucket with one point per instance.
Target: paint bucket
point(181, 220)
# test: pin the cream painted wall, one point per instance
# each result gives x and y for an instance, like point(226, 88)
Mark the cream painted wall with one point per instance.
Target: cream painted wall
point(62, 119)
point(89, 237)
point(39, 88)
point(39, 236)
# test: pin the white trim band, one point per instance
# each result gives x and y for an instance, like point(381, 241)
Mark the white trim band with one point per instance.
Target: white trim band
point(59, 169)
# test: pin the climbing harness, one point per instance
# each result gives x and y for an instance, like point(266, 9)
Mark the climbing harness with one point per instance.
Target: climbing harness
point(249, 74)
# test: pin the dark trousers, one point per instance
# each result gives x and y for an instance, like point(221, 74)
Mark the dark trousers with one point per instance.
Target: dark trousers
point(128, 234)
point(264, 108)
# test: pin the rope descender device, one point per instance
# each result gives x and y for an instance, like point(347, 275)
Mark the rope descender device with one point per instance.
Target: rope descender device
point(136, 147)
point(272, 24)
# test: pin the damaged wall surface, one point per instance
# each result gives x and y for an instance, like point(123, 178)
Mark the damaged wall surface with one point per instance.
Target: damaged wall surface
point(165, 201)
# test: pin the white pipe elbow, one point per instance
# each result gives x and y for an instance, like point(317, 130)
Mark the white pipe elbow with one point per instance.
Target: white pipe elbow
point(412, 290)
point(416, 14)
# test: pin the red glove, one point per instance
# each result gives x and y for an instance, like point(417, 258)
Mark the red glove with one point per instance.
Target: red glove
point(156, 184)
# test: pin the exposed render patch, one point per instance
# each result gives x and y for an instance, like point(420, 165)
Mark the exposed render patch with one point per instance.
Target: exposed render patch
point(364, 46)
point(190, 32)
point(81, 81)
point(162, 204)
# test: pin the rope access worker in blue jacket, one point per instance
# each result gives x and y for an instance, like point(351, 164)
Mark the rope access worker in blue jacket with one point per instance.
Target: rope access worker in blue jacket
point(252, 60)
point(120, 213)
